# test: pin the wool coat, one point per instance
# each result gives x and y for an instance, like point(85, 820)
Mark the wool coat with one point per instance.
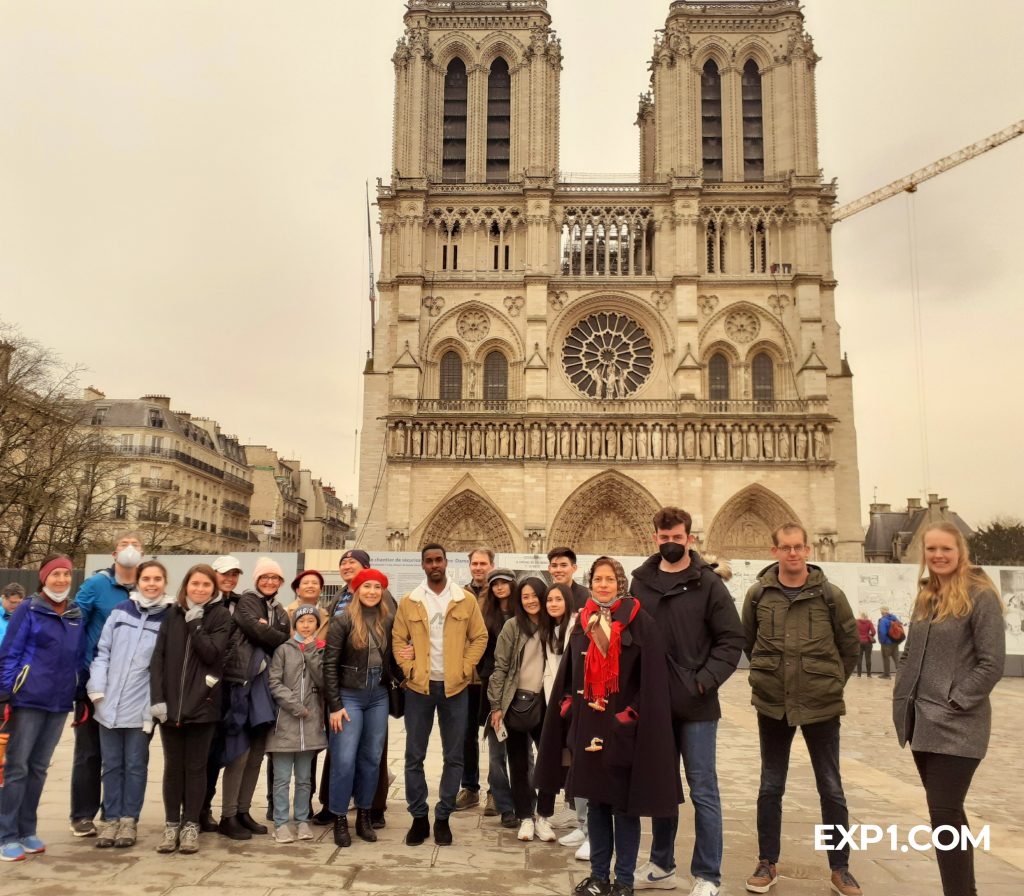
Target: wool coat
point(636, 771)
point(940, 701)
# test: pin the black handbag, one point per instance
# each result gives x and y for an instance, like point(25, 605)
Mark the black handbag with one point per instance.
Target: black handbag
point(524, 712)
point(391, 678)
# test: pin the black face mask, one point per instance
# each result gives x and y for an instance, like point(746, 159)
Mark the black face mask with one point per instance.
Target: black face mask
point(672, 551)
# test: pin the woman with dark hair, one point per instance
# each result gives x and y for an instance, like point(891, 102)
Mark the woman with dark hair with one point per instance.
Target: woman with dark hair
point(516, 694)
point(119, 690)
point(956, 649)
point(40, 664)
point(608, 707)
point(185, 692)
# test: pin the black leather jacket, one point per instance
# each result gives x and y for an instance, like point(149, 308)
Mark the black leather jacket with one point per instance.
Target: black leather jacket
point(345, 665)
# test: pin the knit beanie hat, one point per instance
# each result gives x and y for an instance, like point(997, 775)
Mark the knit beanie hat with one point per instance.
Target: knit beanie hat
point(368, 575)
point(361, 557)
point(266, 567)
point(306, 610)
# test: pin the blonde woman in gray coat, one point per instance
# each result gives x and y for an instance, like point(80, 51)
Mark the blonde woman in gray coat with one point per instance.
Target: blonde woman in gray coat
point(954, 657)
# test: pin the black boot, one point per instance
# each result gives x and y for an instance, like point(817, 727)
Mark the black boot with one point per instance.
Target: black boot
point(377, 819)
point(206, 823)
point(324, 817)
point(341, 835)
point(442, 832)
point(231, 827)
point(419, 831)
point(251, 823)
point(364, 826)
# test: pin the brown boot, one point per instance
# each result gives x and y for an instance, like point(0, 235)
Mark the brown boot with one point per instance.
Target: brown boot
point(844, 883)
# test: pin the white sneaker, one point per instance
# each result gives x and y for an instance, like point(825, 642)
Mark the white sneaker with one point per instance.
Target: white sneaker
point(573, 838)
point(651, 877)
point(563, 818)
point(703, 887)
point(526, 830)
point(583, 853)
point(543, 828)
point(304, 832)
point(283, 834)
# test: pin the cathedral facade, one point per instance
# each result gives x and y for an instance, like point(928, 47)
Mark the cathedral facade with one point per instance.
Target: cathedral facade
point(555, 358)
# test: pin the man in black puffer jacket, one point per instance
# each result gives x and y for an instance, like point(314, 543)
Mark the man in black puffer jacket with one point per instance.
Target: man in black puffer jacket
point(697, 617)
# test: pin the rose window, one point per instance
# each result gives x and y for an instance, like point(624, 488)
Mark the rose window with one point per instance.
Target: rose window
point(607, 355)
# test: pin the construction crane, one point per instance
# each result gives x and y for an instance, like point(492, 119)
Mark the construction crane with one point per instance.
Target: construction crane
point(910, 183)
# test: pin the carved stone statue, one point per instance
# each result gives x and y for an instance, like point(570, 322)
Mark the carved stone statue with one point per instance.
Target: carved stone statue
point(642, 443)
point(475, 446)
point(446, 440)
point(504, 438)
point(519, 441)
point(535, 541)
point(460, 440)
point(565, 439)
point(689, 443)
point(657, 442)
point(721, 443)
point(628, 442)
point(535, 440)
point(705, 443)
point(489, 441)
point(416, 447)
point(581, 440)
point(551, 441)
point(821, 449)
point(785, 443)
point(671, 442)
point(431, 440)
point(753, 444)
point(768, 443)
point(801, 443)
point(611, 440)
point(595, 440)
point(398, 440)
point(736, 442)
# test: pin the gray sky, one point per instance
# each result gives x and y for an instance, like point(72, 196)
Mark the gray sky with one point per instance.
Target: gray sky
point(181, 208)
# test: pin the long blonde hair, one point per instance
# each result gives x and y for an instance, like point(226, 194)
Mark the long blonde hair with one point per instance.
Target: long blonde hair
point(355, 610)
point(940, 600)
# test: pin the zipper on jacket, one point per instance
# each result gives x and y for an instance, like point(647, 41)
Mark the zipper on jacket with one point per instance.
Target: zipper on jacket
point(184, 666)
point(302, 701)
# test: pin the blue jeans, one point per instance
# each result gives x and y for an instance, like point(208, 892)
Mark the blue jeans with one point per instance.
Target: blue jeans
point(822, 739)
point(612, 830)
point(125, 754)
point(33, 740)
point(284, 763)
point(697, 742)
point(419, 722)
point(356, 749)
point(497, 772)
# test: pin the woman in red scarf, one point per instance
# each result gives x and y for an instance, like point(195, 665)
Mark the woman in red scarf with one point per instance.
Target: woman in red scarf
point(609, 706)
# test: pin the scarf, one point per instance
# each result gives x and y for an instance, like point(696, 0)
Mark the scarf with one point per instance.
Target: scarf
point(601, 666)
point(150, 603)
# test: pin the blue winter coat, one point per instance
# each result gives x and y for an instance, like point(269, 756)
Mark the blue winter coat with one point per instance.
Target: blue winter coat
point(120, 671)
point(97, 597)
point(883, 628)
point(42, 657)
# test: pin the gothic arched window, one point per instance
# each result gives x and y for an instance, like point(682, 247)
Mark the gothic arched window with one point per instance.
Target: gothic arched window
point(718, 377)
point(753, 123)
point(495, 377)
point(711, 121)
point(762, 370)
point(451, 377)
point(499, 121)
point(456, 93)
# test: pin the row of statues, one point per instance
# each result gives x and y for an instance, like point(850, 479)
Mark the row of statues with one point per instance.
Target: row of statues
point(611, 441)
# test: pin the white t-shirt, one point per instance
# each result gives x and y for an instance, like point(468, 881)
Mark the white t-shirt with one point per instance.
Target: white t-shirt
point(437, 607)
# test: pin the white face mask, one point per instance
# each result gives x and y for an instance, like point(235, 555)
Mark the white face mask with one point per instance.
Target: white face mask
point(57, 596)
point(129, 557)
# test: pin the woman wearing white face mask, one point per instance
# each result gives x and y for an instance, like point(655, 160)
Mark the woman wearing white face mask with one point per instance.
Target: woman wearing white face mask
point(42, 654)
point(119, 689)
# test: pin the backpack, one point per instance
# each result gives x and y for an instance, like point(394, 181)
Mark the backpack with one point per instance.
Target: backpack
point(896, 632)
point(826, 592)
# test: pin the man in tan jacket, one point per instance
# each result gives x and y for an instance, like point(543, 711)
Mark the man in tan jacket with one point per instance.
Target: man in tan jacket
point(443, 624)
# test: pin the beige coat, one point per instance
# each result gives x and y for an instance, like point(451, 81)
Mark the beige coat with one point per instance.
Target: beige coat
point(465, 639)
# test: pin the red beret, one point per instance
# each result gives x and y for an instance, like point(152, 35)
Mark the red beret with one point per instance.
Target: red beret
point(303, 574)
point(368, 575)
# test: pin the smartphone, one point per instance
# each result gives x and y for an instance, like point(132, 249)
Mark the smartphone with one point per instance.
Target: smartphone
point(502, 732)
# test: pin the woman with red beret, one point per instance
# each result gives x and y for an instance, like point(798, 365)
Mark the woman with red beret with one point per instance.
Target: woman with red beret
point(356, 666)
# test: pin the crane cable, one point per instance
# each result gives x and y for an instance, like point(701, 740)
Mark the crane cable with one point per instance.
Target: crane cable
point(915, 297)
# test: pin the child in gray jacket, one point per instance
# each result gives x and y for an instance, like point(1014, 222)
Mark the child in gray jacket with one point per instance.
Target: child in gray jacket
point(296, 681)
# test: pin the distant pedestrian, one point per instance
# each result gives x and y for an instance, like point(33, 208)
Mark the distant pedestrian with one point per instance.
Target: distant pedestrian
point(866, 634)
point(956, 649)
point(890, 644)
point(10, 599)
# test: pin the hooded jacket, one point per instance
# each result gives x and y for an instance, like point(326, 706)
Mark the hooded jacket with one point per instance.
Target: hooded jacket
point(883, 628)
point(801, 651)
point(249, 632)
point(120, 672)
point(465, 638)
point(43, 656)
point(697, 617)
point(636, 769)
point(297, 682)
point(187, 667)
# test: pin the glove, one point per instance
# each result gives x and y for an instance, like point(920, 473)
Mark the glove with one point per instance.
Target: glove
point(83, 711)
point(193, 614)
point(159, 712)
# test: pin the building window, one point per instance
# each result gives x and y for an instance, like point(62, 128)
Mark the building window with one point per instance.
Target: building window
point(763, 375)
point(127, 441)
point(499, 121)
point(155, 419)
point(451, 377)
point(758, 246)
point(496, 377)
point(456, 93)
point(120, 507)
point(99, 415)
point(753, 123)
point(718, 378)
point(711, 121)
point(715, 243)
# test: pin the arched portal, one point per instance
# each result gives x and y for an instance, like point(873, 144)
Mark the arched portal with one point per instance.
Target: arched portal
point(609, 514)
point(466, 521)
point(742, 529)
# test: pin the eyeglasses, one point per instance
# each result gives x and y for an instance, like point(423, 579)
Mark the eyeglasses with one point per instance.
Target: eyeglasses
point(791, 548)
point(271, 579)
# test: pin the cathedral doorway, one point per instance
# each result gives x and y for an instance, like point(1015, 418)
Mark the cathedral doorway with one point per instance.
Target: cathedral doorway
point(742, 529)
point(609, 514)
point(467, 521)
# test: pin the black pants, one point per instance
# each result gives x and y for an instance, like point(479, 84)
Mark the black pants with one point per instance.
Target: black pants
point(865, 656)
point(86, 769)
point(523, 795)
point(471, 744)
point(946, 780)
point(186, 750)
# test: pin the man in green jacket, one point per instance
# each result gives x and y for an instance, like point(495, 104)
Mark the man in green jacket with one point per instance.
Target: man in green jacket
point(801, 639)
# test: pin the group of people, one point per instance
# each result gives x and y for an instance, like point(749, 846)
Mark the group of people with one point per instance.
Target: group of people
point(611, 685)
point(889, 635)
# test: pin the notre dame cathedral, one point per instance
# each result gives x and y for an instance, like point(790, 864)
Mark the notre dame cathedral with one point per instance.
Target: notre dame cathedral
point(556, 359)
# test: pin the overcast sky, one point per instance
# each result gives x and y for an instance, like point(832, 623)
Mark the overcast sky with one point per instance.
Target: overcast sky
point(182, 212)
